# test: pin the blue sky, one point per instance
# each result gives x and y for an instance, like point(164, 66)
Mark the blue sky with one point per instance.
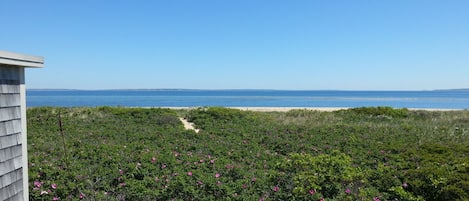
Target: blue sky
point(242, 44)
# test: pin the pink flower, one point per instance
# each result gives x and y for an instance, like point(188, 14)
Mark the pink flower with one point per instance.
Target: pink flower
point(55, 198)
point(163, 166)
point(348, 191)
point(212, 161)
point(322, 199)
point(53, 186)
point(189, 173)
point(376, 199)
point(200, 182)
point(217, 175)
point(276, 188)
point(81, 196)
point(254, 179)
point(405, 185)
point(312, 191)
point(218, 182)
point(37, 184)
point(153, 160)
point(122, 184)
point(121, 171)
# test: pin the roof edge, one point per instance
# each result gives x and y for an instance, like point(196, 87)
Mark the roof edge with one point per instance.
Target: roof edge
point(16, 59)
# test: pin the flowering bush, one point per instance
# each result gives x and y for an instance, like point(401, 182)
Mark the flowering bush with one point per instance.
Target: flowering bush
point(326, 175)
point(146, 154)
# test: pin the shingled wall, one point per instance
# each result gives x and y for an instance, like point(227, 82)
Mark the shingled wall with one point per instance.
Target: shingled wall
point(11, 173)
point(13, 138)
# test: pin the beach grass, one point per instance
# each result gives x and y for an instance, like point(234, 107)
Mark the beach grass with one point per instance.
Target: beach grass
point(114, 153)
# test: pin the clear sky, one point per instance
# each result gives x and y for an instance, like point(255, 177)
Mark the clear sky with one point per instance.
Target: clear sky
point(241, 44)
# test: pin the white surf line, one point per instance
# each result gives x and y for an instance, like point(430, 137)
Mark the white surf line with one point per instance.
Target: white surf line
point(188, 125)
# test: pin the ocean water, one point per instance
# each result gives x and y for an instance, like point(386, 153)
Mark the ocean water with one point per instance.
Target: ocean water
point(444, 99)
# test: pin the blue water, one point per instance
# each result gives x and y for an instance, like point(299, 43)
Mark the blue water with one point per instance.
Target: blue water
point(447, 99)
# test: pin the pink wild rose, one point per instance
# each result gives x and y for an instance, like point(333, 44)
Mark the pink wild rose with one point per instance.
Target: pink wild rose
point(217, 175)
point(189, 173)
point(53, 186)
point(348, 191)
point(405, 185)
point(37, 184)
point(276, 188)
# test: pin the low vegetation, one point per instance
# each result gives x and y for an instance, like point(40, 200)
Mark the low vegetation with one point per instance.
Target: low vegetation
point(112, 153)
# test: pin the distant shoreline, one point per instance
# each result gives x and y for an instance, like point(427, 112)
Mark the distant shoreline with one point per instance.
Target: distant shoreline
point(188, 89)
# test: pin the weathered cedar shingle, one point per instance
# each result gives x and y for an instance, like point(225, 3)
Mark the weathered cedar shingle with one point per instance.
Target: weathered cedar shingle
point(10, 127)
point(9, 89)
point(9, 153)
point(17, 197)
point(11, 192)
point(10, 113)
point(9, 73)
point(9, 141)
point(10, 165)
point(10, 178)
point(10, 100)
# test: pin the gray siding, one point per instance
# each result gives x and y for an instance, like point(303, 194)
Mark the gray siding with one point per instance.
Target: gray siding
point(11, 176)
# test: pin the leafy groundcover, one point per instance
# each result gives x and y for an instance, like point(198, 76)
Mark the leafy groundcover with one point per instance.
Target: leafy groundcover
point(112, 153)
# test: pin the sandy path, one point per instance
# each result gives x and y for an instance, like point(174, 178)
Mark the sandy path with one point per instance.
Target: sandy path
point(188, 125)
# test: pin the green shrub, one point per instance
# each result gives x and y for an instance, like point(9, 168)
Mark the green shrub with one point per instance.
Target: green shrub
point(381, 111)
point(116, 153)
point(328, 175)
point(440, 172)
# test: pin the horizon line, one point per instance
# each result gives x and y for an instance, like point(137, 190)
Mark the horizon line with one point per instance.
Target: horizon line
point(239, 89)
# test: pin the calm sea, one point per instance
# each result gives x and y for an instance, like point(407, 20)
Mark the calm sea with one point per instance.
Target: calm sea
point(445, 99)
